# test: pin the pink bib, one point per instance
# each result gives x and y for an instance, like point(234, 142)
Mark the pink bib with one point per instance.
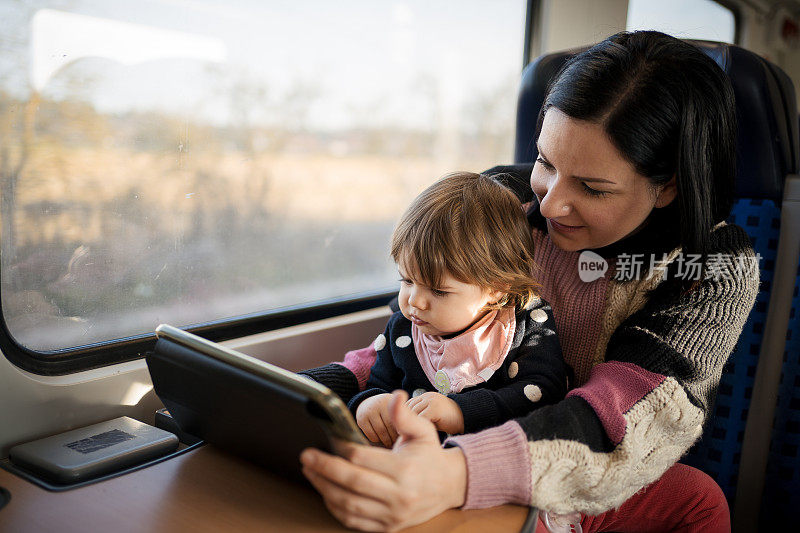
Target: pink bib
point(471, 358)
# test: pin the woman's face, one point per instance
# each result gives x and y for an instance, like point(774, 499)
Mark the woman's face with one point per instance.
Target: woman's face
point(589, 193)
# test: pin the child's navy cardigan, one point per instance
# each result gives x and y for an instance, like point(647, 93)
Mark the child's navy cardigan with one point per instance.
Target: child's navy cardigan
point(534, 359)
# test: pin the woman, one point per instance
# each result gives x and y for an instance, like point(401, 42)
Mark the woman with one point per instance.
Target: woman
point(636, 163)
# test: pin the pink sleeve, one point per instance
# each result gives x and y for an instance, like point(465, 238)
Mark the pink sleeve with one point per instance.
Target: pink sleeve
point(613, 389)
point(498, 466)
point(359, 362)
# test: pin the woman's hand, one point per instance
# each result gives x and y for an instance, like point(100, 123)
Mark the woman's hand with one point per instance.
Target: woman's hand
point(445, 413)
point(374, 489)
point(372, 416)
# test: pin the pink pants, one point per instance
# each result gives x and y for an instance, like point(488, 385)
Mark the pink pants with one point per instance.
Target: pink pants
point(684, 499)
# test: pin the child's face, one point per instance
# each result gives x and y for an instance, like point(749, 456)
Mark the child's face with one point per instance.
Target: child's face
point(450, 308)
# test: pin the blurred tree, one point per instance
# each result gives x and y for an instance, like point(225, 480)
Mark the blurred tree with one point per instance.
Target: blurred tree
point(18, 105)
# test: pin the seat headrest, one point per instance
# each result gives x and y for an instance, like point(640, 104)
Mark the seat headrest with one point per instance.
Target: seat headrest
point(767, 144)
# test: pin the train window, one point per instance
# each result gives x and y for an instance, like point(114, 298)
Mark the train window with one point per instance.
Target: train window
point(190, 161)
point(687, 19)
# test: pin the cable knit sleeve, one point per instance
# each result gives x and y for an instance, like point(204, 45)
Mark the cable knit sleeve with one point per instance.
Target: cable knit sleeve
point(638, 413)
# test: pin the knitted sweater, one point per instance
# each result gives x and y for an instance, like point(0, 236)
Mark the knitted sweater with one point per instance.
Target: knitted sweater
point(532, 372)
point(648, 356)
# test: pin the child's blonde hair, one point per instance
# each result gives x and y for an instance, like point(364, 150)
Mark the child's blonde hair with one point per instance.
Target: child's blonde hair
point(472, 227)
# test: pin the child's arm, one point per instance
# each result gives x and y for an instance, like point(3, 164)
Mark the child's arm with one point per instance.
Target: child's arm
point(371, 406)
point(349, 377)
point(535, 374)
point(337, 377)
point(384, 375)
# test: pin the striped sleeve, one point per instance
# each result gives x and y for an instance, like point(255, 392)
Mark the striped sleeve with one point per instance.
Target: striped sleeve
point(638, 413)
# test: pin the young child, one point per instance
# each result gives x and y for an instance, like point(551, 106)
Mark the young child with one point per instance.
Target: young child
point(472, 343)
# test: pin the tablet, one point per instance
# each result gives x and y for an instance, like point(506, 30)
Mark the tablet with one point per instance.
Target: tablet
point(244, 405)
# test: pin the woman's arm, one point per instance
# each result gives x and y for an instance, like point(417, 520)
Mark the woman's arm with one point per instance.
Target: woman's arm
point(375, 489)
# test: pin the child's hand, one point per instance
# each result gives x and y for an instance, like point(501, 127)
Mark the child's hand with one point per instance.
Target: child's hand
point(445, 414)
point(372, 417)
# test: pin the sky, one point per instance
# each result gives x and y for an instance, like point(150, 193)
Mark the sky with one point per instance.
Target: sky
point(356, 61)
point(358, 53)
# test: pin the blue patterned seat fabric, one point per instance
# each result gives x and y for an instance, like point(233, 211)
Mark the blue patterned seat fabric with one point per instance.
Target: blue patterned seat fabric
point(782, 488)
point(717, 453)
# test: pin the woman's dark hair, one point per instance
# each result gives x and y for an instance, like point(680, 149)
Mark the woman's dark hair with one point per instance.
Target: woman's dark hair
point(669, 109)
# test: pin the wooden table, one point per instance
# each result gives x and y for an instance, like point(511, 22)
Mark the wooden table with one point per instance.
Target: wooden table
point(202, 490)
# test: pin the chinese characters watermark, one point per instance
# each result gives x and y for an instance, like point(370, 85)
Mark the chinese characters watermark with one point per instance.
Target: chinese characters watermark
point(718, 266)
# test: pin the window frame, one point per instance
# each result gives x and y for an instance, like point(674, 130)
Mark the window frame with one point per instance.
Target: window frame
point(97, 355)
point(737, 19)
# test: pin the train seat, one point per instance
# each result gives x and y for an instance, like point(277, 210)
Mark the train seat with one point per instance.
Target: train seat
point(766, 206)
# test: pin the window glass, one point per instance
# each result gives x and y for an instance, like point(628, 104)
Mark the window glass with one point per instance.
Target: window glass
point(687, 19)
point(185, 161)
